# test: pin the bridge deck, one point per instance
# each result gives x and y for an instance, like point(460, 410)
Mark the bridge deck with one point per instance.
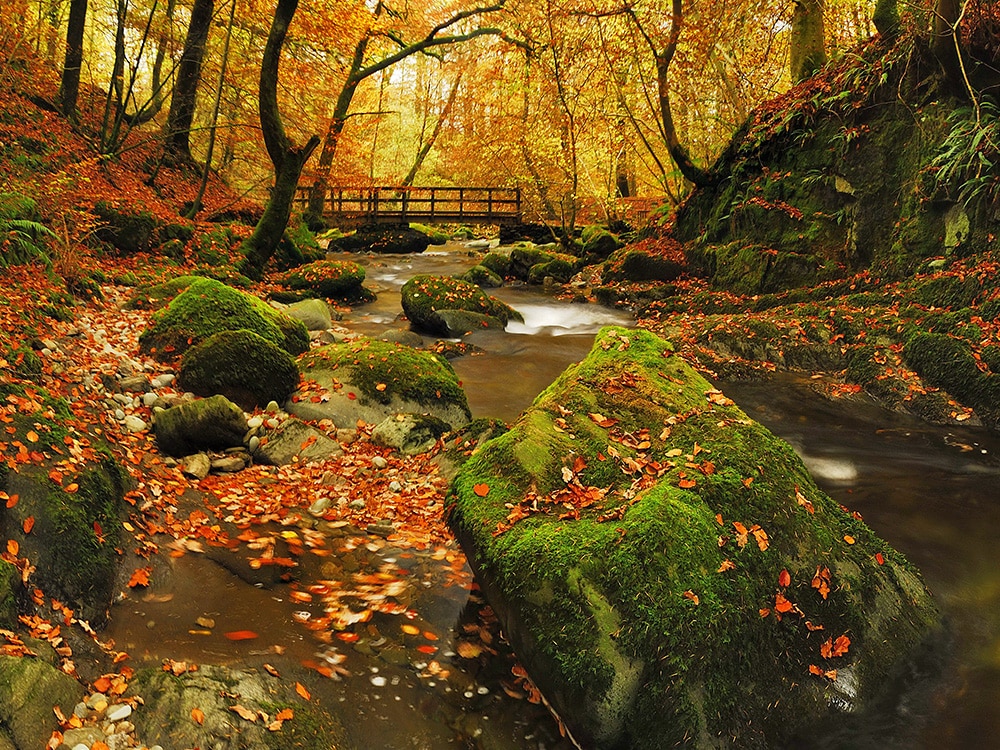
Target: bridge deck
point(434, 205)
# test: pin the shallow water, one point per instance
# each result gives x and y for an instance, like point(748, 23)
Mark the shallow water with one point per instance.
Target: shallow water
point(930, 492)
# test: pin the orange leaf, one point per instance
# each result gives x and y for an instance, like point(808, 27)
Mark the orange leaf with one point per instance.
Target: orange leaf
point(98, 745)
point(12, 501)
point(28, 525)
point(879, 558)
point(409, 629)
point(72, 487)
point(849, 539)
point(102, 684)
point(285, 714)
point(32, 436)
point(13, 547)
point(140, 577)
point(781, 604)
point(380, 387)
point(427, 649)
point(689, 594)
point(810, 627)
point(841, 645)
point(726, 565)
point(301, 690)
point(764, 612)
point(784, 579)
point(241, 635)
point(348, 637)
point(481, 489)
point(198, 716)
point(686, 483)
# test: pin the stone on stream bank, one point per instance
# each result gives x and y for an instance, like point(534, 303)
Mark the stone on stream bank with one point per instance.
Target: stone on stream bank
point(212, 423)
point(29, 689)
point(371, 380)
point(663, 565)
point(166, 716)
point(452, 307)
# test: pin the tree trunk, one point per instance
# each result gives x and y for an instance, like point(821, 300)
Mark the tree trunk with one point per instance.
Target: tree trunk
point(807, 46)
point(429, 144)
point(188, 75)
point(288, 159)
point(947, 14)
point(678, 152)
point(69, 87)
point(886, 18)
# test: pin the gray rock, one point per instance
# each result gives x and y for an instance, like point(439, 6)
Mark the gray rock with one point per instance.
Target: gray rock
point(86, 736)
point(135, 424)
point(149, 398)
point(162, 381)
point(314, 314)
point(409, 433)
point(211, 423)
point(118, 711)
point(460, 322)
point(406, 338)
point(134, 383)
point(229, 464)
point(197, 466)
point(287, 441)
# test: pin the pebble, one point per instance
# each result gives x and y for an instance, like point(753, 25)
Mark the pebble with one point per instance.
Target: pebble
point(272, 407)
point(255, 421)
point(150, 398)
point(119, 415)
point(134, 424)
point(162, 381)
point(119, 711)
point(230, 464)
point(379, 462)
point(123, 398)
point(272, 423)
point(253, 443)
point(395, 486)
point(134, 383)
point(319, 507)
point(358, 504)
point(97, 702)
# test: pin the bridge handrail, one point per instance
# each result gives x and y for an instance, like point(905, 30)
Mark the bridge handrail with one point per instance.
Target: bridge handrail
point(416, 202)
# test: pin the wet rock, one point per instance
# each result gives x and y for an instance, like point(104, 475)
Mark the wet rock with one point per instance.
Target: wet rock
point(314, 314)
point(134, 383)
point(29, 688)
point(460, 322)
point(295, 440)
point(382, 239)
point(85, 736)
point(406, 338)
point(229, 464)
point(424, 296)
point(327, 278)
point(409, 433)
point(168, 701)
point(636, 608)
point(134, 423)
point(213, 423)
point(196, 466)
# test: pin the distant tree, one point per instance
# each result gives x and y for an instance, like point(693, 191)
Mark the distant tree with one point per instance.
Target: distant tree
point(807, 45)
point(69, 87)
point(188, 76)
point(287, 158)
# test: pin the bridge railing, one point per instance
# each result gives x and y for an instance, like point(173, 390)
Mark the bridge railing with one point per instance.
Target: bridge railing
point(385, 204)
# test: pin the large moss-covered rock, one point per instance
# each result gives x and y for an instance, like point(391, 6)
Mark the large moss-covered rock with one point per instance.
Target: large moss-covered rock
point(382, 239)
point(423, 296)
point(211, 423)
point(371, 380)
point(168, 702)
point(327, 278)
point(242, 366)
point(29, 689)
point(159, 295)
point(207, 307)
point(74, 531)
point(663, 565)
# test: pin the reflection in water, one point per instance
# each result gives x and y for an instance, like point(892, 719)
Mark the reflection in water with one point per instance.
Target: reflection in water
point(932, 494)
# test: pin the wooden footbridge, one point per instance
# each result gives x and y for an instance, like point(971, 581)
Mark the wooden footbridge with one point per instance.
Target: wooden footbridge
point(353, 206)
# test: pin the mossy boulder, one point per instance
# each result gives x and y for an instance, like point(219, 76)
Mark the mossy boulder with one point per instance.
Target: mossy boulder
point(207, 307)
point(498, 263)
point(156, 296)
point(533, 263)
point(168, 701)
point(370, 380)
point(482, 277)
point(327, 278)
point(631, 264)
point(423, 296)
point(434, 236)
point(246, 368)
point(212, 423)
point(382, 239)
point(74, 533)
point(29, 689)
point(662, 564)
point(409, 433)
point(598, 243)
point(130, 231)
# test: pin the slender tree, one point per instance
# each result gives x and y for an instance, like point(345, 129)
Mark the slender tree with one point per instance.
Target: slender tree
point(427, 145)
point(946, 44)
point(69, 87)
point(188, 76)
point(807, 45)
point(287, 158)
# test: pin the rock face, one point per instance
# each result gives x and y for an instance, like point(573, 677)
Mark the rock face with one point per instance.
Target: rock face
point(424, 297)
point(295, 440)
point(29, 688)
point(207, 307)
point(409, 433)
point(662, 563)
point(212, 423)
point(327, 278)
point(165, 717)
point(315, 314)
point(371, 380)
point(242, 366)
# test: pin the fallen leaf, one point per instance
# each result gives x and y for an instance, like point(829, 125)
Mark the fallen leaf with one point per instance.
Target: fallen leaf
point(726, 565)
point(812, 628)
point(849, 539)
point(198, 716)
point(686, 483)
point(468, 650)
point(784, 579)
point(689, 594)
point(821, 581)
point(301, 690)
point(427, 649)
point(409, 629)
point(240, 635)
point(879, 558)
point(28, 525)
point(243, 712)
point(285, 714)
point(271, 670)
point(380, 387)
point(13, 547)
point(140, 577)
point(481, 489)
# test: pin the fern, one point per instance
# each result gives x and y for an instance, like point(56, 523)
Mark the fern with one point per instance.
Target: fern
point(22, 242)
point(967, 165)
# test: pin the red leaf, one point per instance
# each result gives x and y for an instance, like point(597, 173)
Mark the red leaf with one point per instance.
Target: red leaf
point(241, 635)
point(879, 559)
point(28, 525)
point(481, 489)
point(784, 579)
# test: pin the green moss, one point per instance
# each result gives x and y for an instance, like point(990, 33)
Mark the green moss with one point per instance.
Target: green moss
point(24, 362)
point(944, 362)
point(326, 278)
point(401, 371)
point(947, 291)
point(156, 296)
point(242, 366)
point(482, 277)
point(128, 231)
point(18, 207)
point(207, 307)
point(434, 236)
point(559, 269)
point(602, 607)
point(214, 248)
point(498, 263)
point(423, 296)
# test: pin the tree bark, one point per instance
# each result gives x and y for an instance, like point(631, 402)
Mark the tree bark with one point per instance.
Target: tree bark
point(429, 143)
point(188, 75)
point(947, 14)
point(807, 46)
point(287, 158)
point(886, 18)
point(69, 87)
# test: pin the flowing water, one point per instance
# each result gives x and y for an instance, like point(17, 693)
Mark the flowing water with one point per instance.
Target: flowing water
point(930, 492)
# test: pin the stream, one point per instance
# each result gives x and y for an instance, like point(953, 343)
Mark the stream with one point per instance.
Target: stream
point(929, 491)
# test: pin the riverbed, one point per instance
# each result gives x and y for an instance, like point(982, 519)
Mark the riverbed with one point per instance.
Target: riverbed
point(931, 492)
